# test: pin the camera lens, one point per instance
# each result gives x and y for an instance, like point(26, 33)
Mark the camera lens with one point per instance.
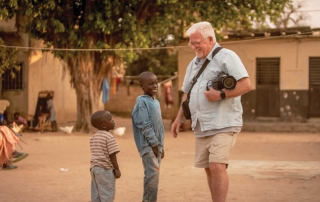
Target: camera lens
point(229, 82)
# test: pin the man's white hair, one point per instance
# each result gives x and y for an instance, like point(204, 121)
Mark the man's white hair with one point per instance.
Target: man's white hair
point(204, 28)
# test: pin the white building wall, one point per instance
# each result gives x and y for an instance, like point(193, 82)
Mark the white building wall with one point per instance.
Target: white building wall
point(46, 74)
point(294, 53)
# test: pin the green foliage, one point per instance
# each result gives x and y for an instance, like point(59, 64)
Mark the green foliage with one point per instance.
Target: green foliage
point(131, 24)
point(158, 61)
point(8, 59)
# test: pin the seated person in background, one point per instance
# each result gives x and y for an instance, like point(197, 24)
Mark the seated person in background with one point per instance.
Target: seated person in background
point(3, 105)
point(19, 121)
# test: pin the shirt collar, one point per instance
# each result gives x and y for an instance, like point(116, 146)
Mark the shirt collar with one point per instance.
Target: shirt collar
point(209, 56)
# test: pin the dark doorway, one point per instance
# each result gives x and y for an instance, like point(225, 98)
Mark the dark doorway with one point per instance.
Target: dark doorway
point(314, 87)
point(268, 94)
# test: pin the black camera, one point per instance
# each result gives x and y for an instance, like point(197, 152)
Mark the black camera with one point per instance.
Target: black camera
point(221, 82)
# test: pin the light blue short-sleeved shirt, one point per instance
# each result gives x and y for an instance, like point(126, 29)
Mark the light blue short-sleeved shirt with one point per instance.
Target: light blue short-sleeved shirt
point(210, 118)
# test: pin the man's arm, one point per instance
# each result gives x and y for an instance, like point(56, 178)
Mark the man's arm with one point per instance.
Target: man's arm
point(243, 86)
point(177, 122)
point(114, 162)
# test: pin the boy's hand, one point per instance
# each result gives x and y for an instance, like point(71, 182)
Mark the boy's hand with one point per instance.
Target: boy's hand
point(162, 154)
point(117, 173)
point(155, 151)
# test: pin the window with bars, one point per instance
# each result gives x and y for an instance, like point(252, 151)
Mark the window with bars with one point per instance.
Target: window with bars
point(10, 82)
point(268, 71)
point(314, 72)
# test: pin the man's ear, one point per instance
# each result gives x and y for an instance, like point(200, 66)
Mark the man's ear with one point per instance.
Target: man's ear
point(212, 40)
point(140, 84)
point(102, 125)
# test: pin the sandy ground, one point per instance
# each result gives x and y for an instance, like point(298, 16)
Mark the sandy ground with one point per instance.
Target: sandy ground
point(264, 167)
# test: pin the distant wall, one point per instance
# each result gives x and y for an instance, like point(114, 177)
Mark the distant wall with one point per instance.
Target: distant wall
point(294, 54)
point(123, 101)
point(46, 73)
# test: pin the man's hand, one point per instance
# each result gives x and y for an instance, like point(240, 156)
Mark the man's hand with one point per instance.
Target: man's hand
point(243, 86)
point(212, 95)
point(117, 173)
point(155, 151)
point(162, 154)
point(175, 127)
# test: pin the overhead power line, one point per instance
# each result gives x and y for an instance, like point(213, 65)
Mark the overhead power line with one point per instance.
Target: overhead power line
point(308, 11)
point(155, 48)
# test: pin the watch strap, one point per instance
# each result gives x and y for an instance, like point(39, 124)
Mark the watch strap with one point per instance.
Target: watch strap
point(222, 94)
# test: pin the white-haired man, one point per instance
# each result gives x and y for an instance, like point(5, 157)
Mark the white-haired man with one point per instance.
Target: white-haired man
point(216, 114)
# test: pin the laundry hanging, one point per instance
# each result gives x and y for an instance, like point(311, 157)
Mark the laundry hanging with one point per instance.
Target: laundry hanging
point(105, 91)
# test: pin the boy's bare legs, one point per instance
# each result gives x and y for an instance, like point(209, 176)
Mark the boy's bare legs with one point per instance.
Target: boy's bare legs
point(218, 181)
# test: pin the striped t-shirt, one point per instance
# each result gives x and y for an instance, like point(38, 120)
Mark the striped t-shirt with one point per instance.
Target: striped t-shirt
point(102, 144)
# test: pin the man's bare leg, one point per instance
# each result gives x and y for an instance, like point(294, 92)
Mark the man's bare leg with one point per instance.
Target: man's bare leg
point(209, 179)
point(218, 181)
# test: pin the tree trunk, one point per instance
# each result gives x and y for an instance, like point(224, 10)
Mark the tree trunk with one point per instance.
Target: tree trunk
point(0, 86)
point(87, 85)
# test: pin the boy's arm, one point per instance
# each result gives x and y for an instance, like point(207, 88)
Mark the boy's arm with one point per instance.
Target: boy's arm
point(114, 162)
point(141, 120)
point(155, 150)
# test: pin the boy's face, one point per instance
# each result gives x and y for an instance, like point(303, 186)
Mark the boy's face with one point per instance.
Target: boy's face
point(107, 123)
point(149, 85)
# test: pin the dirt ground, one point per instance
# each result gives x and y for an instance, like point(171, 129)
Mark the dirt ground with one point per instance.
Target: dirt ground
point(264, 167)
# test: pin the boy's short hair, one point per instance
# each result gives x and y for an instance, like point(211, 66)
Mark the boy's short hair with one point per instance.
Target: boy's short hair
point(96, 118)
point(16, 113)
point(145, 75)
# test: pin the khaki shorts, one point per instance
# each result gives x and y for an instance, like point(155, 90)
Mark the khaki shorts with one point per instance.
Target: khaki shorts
point(215, 148)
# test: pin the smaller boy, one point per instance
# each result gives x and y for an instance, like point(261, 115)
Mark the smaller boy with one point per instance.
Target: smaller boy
point(148, 133)
point(104, 167)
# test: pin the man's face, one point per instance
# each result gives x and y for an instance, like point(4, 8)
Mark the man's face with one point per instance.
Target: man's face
point(202, 46)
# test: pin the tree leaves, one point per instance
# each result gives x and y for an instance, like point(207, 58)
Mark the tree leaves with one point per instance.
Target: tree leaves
point(8, 59)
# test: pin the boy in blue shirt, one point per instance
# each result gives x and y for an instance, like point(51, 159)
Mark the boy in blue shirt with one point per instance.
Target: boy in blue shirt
point(148, 133)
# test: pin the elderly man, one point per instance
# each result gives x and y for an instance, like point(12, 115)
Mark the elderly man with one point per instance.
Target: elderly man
point(216, 113)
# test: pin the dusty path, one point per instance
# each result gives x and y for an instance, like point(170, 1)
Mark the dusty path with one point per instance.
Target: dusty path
point(265, 167)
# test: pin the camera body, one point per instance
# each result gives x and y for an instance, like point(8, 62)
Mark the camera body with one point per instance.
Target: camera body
point(223, 81)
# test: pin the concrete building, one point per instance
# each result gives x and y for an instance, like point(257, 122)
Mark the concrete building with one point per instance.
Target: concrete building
point(284, 71)
point(39, 72)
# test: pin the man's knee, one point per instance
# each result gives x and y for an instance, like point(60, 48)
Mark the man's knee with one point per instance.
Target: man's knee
point(217, 167)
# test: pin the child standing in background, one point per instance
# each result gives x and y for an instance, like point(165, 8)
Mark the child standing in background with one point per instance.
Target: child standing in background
point(52, 112)
point(104, 167)
point(148, 133)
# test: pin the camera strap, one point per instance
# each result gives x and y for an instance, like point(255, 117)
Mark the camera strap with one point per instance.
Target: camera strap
point(194, 80)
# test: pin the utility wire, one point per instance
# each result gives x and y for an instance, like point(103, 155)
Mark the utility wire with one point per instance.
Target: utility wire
point(307, 11)
point(167, 47)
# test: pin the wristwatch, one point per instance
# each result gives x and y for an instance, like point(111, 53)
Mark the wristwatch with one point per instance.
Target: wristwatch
point(222, 94)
